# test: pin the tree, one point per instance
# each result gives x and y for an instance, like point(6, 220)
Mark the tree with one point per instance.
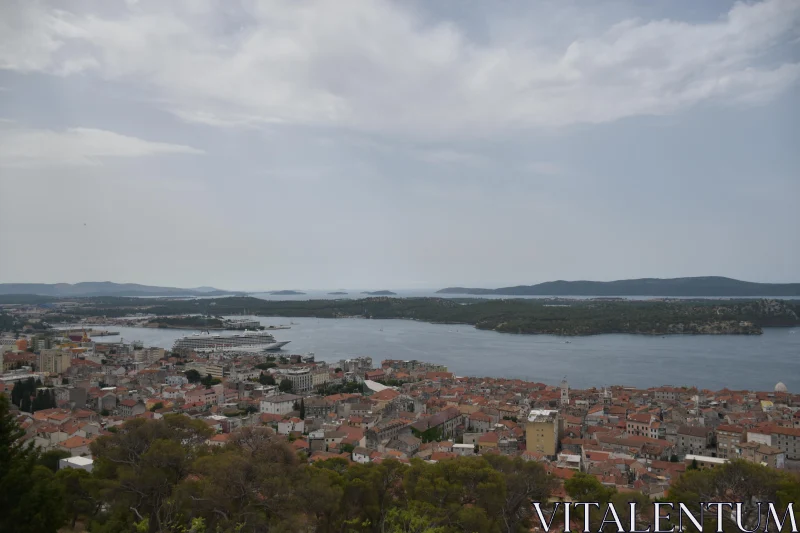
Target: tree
point(29, 501)
point(266, 379)
point(141, 465)
point(193, 375)
point(736, 481)
point(302, 409)
point(51, 458)
point(76, 485)
point(157, 406)
point(285, 385)
point(210, 381)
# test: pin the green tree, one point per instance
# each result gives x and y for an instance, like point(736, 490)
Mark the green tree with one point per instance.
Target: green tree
point(583, 487)
point(76, 485)
point(285, 385)
point(193, 375)
point(141, 464)
point(266, 379)
point(51, 458)
point(302, 409)
point(157, 406)
point(29, 500)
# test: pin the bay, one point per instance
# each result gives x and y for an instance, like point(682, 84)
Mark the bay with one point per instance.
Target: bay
point(754, 362)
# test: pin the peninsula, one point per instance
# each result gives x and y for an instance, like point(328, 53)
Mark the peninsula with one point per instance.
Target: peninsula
point(531, 316)
point(708, 286)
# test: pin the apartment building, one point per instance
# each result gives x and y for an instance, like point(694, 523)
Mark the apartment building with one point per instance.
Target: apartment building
point(787, 440)
point(54, 361)
point(542, 432)
point(728, 440)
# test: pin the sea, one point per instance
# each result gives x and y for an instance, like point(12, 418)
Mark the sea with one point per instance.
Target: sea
point(713, 362)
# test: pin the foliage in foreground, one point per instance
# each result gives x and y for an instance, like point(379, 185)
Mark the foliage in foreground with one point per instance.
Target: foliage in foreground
point(160, 476)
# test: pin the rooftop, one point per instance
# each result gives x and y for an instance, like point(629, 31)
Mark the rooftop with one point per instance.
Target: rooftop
point(542, 415)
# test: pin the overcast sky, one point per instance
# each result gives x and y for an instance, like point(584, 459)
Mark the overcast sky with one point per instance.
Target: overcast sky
point(375, 144)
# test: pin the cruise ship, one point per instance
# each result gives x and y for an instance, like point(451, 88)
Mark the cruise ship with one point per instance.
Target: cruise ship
point(247, 341)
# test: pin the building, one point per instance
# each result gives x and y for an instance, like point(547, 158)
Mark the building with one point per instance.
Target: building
point(291, 425)
point(385, 431)
point(787, 440)
point(728, 440)
point(301, 378)
point(280, 404)
point(643, 425)
point(761, 454)
point(542, 432)
point(564, 393)
point(360, 455)
point(317, 407)
point(82, 463)
point(693, 440)
point(54, 361)
point(320, 376)
point(130, 408)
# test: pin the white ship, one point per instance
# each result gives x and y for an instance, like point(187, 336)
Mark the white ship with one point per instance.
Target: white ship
point(247, 341)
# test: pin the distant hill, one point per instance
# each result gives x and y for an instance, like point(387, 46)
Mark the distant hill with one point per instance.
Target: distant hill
point(104, 288)
point(338, 293)
point(711, 286)
point(380, 293)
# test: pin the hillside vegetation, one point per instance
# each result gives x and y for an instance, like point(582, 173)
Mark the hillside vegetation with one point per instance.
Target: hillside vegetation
point(558, 317)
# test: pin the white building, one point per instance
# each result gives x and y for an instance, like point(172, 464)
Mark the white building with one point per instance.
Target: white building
point(288, 426)
point(83, 463)
point(301, 378)
point(464, 449)
point(280, 404)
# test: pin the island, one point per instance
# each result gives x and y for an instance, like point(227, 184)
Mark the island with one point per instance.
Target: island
point(704, 286)
point(567, 317)
point(380, 293)
point(285, 293)
point(337, 293)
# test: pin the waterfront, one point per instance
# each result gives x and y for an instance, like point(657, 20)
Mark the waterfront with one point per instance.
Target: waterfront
point(431, 293)
point(707, 361)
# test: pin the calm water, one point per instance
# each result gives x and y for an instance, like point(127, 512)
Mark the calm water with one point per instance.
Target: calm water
point(714, 362)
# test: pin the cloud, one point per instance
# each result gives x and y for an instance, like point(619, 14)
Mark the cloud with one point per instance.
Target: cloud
point(382, 67)
point(76, 146)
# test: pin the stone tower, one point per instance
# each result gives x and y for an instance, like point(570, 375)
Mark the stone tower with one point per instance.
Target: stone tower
point(564, 392)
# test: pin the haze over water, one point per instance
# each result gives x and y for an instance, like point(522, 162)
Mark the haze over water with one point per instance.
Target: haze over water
point(708, 361)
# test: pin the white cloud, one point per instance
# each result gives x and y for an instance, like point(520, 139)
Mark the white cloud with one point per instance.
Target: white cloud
point(379, 66)
point(76, 146)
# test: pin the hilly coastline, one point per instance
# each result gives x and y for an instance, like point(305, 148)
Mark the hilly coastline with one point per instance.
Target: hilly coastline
point(104, 288)
point(706, 286)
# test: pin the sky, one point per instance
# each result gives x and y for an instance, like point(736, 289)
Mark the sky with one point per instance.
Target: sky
point(255, 145)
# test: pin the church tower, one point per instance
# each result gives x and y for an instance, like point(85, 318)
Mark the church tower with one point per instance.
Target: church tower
point(606, 396)
point(564, 392)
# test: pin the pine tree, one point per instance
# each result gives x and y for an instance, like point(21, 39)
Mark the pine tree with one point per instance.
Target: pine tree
point(302, 409)
point(29, 500)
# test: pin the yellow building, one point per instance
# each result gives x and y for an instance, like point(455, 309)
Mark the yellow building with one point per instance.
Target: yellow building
point(542, 432)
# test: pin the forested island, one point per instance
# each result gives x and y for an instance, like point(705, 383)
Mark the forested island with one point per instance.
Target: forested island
point(529, 316)
point(286, 293)
point(704, 286)
point(337, 293)
point(379, 293)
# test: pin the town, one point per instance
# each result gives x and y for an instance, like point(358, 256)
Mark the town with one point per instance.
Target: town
point(68, 390)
